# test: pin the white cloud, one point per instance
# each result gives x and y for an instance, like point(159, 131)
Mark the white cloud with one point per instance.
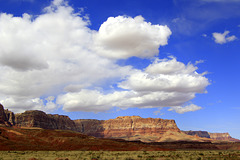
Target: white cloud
point(90, 100)
point(20, 104)
point(168, 67)
point(123, 37)
point(222, 38)
point(95, 101)
point(199, 62)
point(42, 56)
point(167, 75)
point(160, 85)
point(189, 108)
point(57, 55)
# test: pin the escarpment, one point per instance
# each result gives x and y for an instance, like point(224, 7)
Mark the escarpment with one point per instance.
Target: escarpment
point(128, 127)
point(42, 120)
point(223, 137)
point(203, 134)
point(3, 117)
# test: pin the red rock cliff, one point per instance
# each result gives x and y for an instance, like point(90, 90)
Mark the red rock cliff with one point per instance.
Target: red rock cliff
point(203, 134)
point(222, 137)
point(42, 120)
point(128, 128)
point(10, 117)
point(3, 118)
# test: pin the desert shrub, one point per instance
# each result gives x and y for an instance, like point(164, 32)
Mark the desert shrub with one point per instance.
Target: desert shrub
point(139, 156)
point(201, 154)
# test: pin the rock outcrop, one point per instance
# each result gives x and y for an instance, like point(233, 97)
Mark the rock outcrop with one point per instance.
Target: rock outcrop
point(213, 136)
point(203, 134)
point(223, 137)
point(10, 117)
point(3, 117)
point(42, 120)
point(170, 136)
point(128, 127)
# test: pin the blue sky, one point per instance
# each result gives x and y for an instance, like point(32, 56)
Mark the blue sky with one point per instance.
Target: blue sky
point(176, 59)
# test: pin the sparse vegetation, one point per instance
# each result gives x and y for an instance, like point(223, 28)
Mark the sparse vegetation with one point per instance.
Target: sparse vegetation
point(119, 155)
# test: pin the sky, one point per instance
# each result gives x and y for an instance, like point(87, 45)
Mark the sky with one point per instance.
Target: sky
point(100, 59)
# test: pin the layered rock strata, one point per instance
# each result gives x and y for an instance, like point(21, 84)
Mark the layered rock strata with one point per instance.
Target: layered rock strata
point(128, 127)
point(222, 137)
point(203, 134)
point(3, 118)
point(42, 120)
point(213, 136)
point(133, 128)
point(10, 117)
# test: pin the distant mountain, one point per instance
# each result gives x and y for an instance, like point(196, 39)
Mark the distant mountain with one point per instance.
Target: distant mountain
point(213, 136)
point(40, 119)
point(223, 137)
point(130, 128)
point(203, 134)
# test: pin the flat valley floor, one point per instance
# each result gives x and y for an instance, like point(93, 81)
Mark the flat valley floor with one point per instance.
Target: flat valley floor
point(121, 155)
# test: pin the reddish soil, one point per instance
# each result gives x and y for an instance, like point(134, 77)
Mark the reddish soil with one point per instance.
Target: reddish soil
point(42, 139)
point(20, 139)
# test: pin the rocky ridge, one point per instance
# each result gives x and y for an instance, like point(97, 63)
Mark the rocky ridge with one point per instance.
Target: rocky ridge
point(10, 116)
point(213, 136)
point(42, 120)
point(128, 127)
point(203, 134)
point(131, 128)
point(223, 137)
point(3, 117)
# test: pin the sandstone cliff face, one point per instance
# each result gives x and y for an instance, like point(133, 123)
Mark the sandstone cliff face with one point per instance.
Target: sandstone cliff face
point(43, 120)
point(128, 128)
point(3, 117)
point(10, 117)
point(203, 134)
point(222, 137)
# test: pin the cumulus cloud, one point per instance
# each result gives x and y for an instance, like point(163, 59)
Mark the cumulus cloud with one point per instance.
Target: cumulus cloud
point(44, 55)
point(189, 108)
point(164, 83)
point(123, 37)
point(20, 104)
point(55, 60)
point(222, 38)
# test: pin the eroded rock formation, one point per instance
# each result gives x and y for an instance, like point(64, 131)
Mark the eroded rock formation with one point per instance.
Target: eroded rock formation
point(42, 120)
point(128, 127)
point(213, 136)
point(3, 118)
point(203, 134)
point(132, 128)
point(10, 117)
point(222, 137)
